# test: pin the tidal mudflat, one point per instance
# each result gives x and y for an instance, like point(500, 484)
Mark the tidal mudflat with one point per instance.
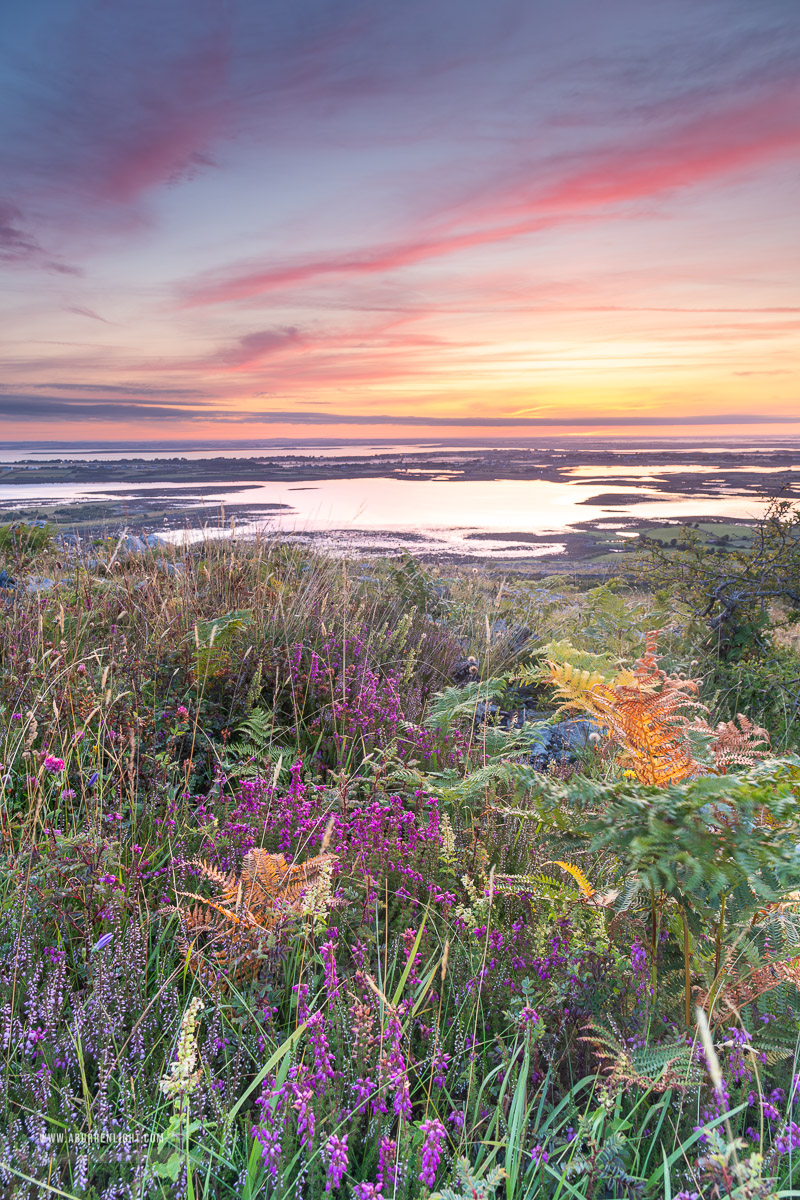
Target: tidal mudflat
point(541, 505)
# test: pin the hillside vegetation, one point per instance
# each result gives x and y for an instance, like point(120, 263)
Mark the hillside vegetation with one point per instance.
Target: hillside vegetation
point(379, 881)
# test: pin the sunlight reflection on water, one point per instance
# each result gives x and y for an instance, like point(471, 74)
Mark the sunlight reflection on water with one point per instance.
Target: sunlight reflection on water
point(442, 513)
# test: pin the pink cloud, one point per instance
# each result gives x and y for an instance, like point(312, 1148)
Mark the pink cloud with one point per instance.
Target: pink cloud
point(700, 149)
point(253, 348)
point(132, 102)
point(594, 186)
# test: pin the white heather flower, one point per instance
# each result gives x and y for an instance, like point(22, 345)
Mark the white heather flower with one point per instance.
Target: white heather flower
point(184, 1074)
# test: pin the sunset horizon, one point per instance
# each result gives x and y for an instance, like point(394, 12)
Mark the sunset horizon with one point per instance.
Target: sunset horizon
point(355, 220)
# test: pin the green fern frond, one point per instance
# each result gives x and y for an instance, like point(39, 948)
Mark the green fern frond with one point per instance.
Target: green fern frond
point(461, 703)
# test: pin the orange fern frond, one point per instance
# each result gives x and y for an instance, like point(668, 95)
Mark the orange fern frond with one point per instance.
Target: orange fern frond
point(220, 879)
point(646, 669)
point(643, 711)
point(587, 891)
point(653, 734)
point(268, 880)
point(301, 877)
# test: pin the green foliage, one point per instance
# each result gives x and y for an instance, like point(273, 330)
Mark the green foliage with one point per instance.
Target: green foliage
point(700, 839)
point(562, 651)
point(459, 704)
point(472, 1185)
point(767, 688)
point(21, 540)
point(415, 586)
point(731, 593)
point(213, 638)
point(614, 620)
point(256, 749)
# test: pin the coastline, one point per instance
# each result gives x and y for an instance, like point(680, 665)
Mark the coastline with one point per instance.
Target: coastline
point(174, 494)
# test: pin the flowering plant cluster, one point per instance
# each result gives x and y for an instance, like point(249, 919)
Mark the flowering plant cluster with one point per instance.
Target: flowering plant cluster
point(292, 909)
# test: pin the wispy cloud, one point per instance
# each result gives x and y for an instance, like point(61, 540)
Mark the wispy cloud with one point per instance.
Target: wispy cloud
point(54, 408)
point(19, 246)
point(86, 312)
point(591, 185)
point(253, 348)
point(193, 394)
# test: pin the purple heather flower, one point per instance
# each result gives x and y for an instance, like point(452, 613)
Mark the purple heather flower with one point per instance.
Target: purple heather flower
point(323, 1059)
point(269, 1140)
point(638, 957)
point(789, 1139)
point(431, 1153)
point(387, 1155)
point(336, 1155)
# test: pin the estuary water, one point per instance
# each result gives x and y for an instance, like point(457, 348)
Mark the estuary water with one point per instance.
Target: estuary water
point(429, 508)
point(434, 513)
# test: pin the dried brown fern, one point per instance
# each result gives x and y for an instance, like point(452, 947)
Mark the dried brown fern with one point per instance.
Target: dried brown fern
point(739, 745)
point(728, 999)
point(225, 937)
point(651, 1068)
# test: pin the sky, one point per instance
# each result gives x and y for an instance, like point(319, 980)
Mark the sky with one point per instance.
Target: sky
point(234, 219)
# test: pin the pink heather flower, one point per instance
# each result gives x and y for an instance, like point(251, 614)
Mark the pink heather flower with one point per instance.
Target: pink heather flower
point(431, 1153)
point(181, 712)
point(367, 1191)
point(53, 765)
point(81, 668)
point(336, 1155)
